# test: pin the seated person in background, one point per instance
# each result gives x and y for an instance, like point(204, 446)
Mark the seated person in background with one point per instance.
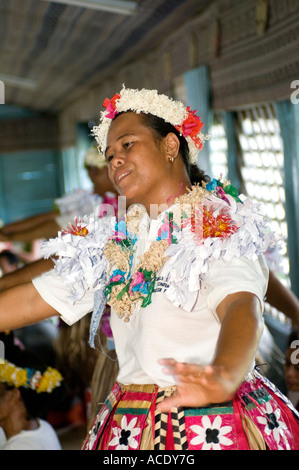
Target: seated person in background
point(27, 389)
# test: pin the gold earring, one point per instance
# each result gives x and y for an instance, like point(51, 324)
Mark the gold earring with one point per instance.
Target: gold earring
point(171, 159)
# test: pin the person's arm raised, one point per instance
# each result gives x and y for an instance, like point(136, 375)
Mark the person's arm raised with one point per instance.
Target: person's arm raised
point(283, 299)
point(28, 224)
point(26, 273)
point(22, 306)
point(46, 230)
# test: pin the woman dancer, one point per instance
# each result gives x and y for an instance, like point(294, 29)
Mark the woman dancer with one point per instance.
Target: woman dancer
point(185, 278)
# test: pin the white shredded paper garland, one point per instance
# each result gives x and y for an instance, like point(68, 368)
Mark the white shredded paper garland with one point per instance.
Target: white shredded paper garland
point(82, 264)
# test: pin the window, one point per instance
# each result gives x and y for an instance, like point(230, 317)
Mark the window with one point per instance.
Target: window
point(261, 165)
point(218, 148)
point(262, 170)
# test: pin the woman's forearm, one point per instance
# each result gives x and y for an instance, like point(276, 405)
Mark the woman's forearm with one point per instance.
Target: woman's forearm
point(29, 223)
point(25, 274)
point(200, 385)
point(47, 230)
point(282, 298)
point(240, 333)
point(22, 306)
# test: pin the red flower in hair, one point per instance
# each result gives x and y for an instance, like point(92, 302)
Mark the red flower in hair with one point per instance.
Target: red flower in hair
point(111, 106)
point(191, 126)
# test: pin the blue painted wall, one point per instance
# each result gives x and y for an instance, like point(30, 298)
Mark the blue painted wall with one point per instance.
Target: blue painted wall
point(30, 180)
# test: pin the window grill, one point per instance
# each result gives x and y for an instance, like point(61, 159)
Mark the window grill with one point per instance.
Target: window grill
point(218, 148)
point(262, 169)
point(261, 165)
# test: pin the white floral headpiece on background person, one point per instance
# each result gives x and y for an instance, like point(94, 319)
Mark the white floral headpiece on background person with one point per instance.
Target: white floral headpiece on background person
point(150, 102)
point(94, 158)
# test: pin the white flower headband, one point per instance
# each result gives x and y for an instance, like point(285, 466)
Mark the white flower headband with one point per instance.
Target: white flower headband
point(93, 158)
point(150, 102)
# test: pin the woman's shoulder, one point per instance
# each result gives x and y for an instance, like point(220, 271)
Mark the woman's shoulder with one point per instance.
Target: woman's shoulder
point(217, 212)
point(80, 234)
point(214, 222)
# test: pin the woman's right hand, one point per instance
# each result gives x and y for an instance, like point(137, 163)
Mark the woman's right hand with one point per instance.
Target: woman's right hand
point(197, 385)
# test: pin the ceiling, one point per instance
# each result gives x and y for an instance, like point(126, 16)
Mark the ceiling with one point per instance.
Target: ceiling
point(51, 51)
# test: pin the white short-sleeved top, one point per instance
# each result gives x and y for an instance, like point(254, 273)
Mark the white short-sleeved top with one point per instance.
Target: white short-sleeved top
point(163, 330)
point(42, 438)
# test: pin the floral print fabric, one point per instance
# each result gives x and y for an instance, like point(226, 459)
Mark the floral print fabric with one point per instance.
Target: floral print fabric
point(125, 415)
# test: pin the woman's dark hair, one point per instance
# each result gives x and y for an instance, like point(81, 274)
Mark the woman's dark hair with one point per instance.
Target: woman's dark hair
point(11, 257)
point(160, 130)
point(36, 404)
point(293, 336)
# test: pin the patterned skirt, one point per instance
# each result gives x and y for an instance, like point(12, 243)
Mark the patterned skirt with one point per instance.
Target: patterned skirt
point(258, 418)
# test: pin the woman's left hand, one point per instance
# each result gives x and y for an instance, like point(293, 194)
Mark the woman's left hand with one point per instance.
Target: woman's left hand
point(196, 385)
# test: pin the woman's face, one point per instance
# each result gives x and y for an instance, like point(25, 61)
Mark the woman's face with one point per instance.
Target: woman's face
point(138, 165)
point(291, 370)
